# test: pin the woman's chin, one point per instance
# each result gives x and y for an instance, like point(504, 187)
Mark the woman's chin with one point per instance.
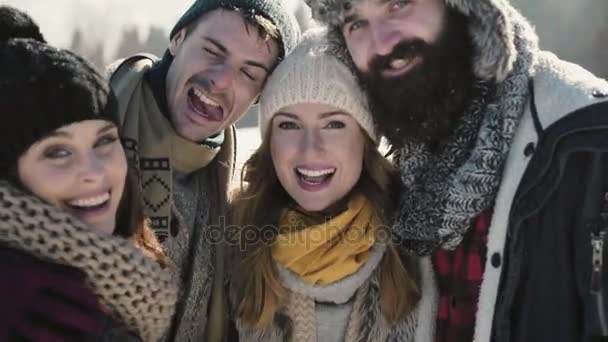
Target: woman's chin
point(105, 228)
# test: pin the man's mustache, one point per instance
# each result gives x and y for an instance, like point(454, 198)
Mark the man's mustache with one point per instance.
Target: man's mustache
point(406, 49)
point(201, 82)
point(205, 84)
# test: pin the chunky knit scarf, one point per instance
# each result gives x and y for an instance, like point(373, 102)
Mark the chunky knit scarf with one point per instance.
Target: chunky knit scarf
point(136, 289)
point(444, 191)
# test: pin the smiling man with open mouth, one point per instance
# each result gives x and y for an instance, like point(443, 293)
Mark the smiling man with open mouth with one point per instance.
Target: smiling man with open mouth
point(177, 115)
point(502, 149)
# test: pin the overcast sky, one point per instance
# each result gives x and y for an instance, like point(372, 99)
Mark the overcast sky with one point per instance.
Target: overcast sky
point(566, 27)
point(101, 19)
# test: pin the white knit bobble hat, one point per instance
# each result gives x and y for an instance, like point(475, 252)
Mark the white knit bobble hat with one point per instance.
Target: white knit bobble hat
point(310, 74)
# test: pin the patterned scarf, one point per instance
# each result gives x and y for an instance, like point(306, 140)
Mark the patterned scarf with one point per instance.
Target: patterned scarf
point(443, 191)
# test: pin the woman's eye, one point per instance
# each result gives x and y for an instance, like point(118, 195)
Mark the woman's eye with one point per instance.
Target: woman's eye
point(56, 152)
point(106, 140)
point(335, 125)
point(288, 125)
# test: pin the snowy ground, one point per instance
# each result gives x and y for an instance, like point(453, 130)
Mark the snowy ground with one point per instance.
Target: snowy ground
point(247, 140)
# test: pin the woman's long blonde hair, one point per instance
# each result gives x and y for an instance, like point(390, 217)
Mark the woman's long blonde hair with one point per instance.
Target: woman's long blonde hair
point(255, 210)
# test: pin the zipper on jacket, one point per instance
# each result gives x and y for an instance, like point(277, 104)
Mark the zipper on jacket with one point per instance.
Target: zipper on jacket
point(597, 249)
point(598, 239)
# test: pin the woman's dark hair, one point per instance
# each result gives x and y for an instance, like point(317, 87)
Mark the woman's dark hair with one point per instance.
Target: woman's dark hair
point(132, 222)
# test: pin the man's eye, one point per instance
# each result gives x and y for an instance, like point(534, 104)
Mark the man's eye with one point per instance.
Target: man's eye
point(211, 52)
point(356, 25)
point(288, 125)
point(399, 4)
point(248, 75)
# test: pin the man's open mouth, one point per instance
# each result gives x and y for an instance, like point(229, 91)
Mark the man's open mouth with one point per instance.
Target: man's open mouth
point(400, 66)
point(204, 106)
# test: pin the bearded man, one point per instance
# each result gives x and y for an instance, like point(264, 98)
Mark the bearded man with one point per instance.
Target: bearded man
point(503, 153)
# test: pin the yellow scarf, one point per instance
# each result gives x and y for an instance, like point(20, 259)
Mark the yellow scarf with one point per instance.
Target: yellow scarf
point(328, 252)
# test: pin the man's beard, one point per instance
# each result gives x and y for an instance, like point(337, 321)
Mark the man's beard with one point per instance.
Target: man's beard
point(424, 103)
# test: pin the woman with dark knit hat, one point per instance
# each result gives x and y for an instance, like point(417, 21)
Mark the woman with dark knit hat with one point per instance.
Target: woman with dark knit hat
point(78, 260)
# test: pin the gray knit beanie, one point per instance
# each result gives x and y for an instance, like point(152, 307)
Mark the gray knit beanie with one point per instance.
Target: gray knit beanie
point(311, 74)
point(272, 10)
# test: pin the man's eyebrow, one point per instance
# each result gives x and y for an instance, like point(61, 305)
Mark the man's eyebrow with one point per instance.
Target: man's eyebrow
point(217, 44)
point(224, 50)
point(350, 18)
point(353, 16)
point(258, 65)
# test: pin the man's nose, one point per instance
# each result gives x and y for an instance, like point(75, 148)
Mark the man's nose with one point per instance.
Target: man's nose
point(384, 38)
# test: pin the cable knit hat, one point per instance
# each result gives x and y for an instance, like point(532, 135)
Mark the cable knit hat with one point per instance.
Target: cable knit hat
point(311, 74)
point(42, 89)
point(272, 10)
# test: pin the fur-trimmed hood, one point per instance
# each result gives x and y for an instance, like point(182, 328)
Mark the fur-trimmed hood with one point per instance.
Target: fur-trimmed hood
point(492, 26)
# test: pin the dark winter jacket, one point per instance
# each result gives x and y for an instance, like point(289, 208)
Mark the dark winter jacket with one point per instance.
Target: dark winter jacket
point(550, 267)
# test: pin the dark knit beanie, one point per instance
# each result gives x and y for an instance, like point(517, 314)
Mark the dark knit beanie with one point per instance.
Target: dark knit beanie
point(272, 10)
point(43, 88)
point(17, 24)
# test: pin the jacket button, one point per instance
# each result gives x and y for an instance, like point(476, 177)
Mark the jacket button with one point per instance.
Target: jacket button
point(599, 94)
point(496, 260)
point(529, 149)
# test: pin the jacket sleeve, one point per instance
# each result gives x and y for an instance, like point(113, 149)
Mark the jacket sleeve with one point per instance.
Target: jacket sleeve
point(43, 301)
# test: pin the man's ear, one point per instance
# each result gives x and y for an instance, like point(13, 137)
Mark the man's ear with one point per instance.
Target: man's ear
point(177, 41)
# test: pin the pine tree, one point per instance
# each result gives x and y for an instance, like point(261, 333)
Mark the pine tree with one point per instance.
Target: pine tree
point(129, 44)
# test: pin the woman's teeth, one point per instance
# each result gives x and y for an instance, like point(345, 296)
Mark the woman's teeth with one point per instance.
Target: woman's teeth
point(315, 177)
point(204, 99)
point(315, 173)
point(90, 201)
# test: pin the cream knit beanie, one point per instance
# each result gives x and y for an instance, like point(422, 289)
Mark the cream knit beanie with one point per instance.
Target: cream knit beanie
point(310, 74)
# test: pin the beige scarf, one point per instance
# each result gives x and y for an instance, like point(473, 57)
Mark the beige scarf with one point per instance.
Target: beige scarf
point(136, 289)
point(154, 147)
